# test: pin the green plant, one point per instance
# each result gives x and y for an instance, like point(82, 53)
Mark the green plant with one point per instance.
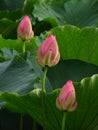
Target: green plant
point(74, 24)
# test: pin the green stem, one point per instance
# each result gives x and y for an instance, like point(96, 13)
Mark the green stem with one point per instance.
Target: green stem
point(21, 122)
point(63, 121)
point(43, 98)
point(44, 79)
point(24, 48)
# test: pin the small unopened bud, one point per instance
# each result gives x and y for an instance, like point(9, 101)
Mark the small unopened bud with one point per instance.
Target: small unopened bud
point(48, 53)
point(24, 30)
point(66, 101)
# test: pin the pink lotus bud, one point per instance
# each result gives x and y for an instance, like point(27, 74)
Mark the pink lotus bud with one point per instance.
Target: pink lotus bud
point(48, 53)
point(24, 30)
point(66, 100)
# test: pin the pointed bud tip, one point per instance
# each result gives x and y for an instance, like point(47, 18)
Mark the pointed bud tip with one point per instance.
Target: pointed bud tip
point(51, 37)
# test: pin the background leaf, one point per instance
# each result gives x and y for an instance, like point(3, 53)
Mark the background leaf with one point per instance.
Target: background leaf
point(11, 15)
point(16, 75)
point(81, 13)
point(11, 4)
point(8, 28)
point(76, 12)
point(29, 5)
point(76, 43)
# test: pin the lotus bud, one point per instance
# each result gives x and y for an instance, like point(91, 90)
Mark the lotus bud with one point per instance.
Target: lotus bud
point(66, 101)
point(24, 30)
point(48, 53)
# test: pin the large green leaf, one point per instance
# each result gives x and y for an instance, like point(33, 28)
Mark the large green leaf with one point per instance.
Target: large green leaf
point(76, 43)
point(76, 12)
point(19, 75)
point(16, 75)
point(46, 13)
point(84, 118)
point(32, 102)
